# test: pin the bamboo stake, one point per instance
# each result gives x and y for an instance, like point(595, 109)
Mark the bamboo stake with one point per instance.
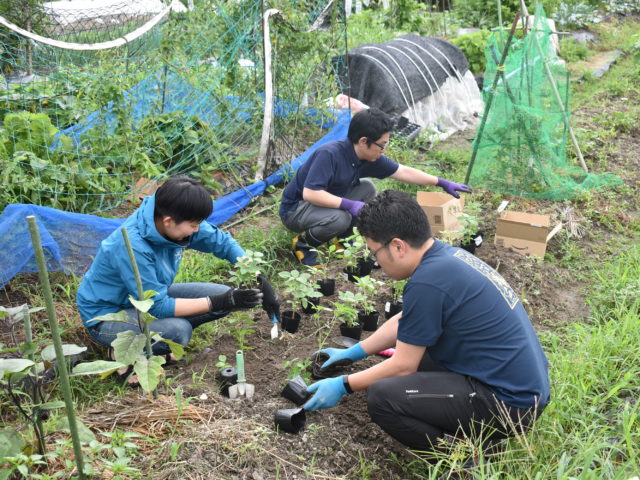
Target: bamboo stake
point(57, 342)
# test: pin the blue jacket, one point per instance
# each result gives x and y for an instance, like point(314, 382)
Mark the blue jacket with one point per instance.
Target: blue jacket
point(107, 285)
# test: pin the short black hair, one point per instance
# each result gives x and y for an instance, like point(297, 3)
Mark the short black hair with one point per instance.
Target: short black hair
point(184, 199)
point(371, 123)
point(393, 214)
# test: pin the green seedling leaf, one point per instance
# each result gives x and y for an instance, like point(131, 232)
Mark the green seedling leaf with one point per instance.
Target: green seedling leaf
point(49, 353)
point(28, 348)
point(149, 371)
point(176, 348)
point(141, 305)
point(52, 405)
point(148, 294)
point(11, 443)
point(127, 346)
point(14, 365)
point(86, 435)
point(103, 368)
point(120, 316)
point(5, 474)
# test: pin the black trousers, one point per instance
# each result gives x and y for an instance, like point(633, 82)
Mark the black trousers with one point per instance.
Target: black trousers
point(431, 404)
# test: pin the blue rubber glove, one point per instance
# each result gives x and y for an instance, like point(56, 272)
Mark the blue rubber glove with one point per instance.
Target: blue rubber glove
point(352, 354)
point(351, 206)
point(328, 393)
point(452, 188)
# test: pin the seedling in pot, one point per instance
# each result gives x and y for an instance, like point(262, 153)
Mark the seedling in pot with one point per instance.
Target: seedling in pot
point(345, 311)
point(299, 288)
point(327, 257)
point(355, 251)
point(247, 268)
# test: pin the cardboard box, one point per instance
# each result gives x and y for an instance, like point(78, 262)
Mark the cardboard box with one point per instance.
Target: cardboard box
point(525, 233)
point(443, 211)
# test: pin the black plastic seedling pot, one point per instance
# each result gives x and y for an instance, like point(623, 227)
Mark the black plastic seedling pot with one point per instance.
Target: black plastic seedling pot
point(391, 308)
point(368, 320)
point(290, 321)
point(475, 242)
point(362, 269)
point(351, 331)
point(296, 390)
point(316, 370)
point(327, 286)
point(290, 420)
point(227, 377)
point(312, 303)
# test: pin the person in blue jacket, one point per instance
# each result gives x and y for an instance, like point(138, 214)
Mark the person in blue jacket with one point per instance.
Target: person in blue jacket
point(467, 359)
point(167, 223)
point(323, 199)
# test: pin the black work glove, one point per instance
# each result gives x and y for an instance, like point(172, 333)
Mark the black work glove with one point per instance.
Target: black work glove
point(235, 299)
point(270, 299)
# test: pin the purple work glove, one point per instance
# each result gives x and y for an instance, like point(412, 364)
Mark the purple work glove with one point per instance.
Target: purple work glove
point(351, 206)
point(452, 188)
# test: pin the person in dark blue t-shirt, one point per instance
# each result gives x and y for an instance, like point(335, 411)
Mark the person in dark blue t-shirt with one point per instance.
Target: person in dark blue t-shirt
point(325, 196)
point(467, 359)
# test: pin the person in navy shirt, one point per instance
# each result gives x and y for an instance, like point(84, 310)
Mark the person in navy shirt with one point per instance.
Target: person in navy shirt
point(467, 359)
point(324, 198)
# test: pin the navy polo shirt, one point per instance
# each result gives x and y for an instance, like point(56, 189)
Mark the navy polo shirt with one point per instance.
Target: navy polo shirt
point(335, 168)
point(473, 323)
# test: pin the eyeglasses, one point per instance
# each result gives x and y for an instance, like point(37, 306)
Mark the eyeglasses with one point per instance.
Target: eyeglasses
point(381, 147)
point(385, 245)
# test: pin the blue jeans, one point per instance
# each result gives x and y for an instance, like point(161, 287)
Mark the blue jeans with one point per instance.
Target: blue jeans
point(178, 329)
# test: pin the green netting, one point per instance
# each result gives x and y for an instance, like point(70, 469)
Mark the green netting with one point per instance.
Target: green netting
point(522, 150)
point(79, 128)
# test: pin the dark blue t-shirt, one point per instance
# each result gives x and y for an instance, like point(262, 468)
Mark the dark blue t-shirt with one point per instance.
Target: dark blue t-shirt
point(335, 168)
point(473, 323)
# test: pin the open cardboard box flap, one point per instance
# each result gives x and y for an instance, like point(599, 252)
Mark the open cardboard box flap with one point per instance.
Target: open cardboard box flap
point(523, 232)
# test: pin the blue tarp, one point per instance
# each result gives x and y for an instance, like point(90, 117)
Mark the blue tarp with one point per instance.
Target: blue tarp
point(71, 240)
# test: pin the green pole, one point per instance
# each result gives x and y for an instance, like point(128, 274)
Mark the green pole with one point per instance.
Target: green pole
point(136, 274)
point(487, 107)
point(57, 342)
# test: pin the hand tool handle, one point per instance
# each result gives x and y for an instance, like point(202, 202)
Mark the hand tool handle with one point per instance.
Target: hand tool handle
point(240, 366)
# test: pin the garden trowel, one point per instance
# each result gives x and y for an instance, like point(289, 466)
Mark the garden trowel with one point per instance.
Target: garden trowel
point(274, 329)
point(241, 389)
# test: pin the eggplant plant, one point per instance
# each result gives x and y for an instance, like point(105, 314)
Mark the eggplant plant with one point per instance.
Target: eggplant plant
point(129, 348)
point(26, 376)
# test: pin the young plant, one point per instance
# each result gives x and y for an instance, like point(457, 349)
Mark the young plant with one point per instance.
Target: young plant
point(368, 286)
point(25, 379)
point(222, 363)
point(247, 268)
point(346, 309)
point(355, 248)
point(297, 367)
point(397, 288)
point(326, 257)
point(129, 348)
point(240, 327)
point(299, 287)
